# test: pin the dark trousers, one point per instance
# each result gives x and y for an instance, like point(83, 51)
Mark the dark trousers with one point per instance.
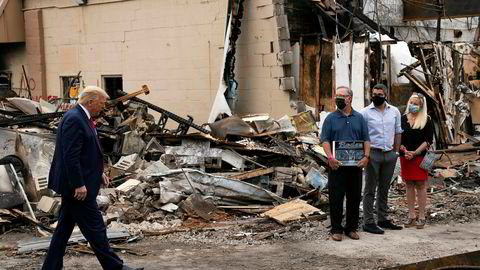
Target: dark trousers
point(89, 219)
point(346, 181)
point(378, 178)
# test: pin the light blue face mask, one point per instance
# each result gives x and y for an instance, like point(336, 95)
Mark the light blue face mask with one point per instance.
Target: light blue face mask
point(413, 108)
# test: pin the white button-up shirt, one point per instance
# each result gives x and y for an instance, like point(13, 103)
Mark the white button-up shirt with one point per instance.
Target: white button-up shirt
point(382, 126)
point(85, 110)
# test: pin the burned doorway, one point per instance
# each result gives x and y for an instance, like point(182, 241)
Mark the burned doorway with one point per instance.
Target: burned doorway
point(316, 85)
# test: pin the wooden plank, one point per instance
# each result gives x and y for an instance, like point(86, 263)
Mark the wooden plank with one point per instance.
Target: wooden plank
point(252, 173)
point(31, 220)
point(426, 71)
point(471, 138)
point(326, 85)
point(415, 64)
point(309, 61)
point(290, 211)
point(421, 85)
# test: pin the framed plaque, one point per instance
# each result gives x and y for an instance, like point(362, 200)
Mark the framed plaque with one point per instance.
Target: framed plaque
point(348, 152)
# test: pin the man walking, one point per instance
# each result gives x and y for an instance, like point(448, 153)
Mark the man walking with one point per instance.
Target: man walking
point(77, 173)
point(384, 125)
point(345, 124)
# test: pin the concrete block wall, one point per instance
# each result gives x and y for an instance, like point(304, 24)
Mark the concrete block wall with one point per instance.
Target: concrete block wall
point(259, 69)
point(35, 53)
point(168, 46)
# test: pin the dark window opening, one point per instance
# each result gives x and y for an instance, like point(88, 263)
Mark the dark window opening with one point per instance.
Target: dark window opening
point(111, 84)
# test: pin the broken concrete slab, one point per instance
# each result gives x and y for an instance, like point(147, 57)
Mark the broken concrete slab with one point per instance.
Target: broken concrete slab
point(26, 105)
point(103, 202)
point(124, 164)
point(129, 185)
point(132, 143)
point(261, 123)
point(233, 159)
point(155, 167)
point(48, 205)
point(196, 205)
point(171, 192)
point(169, 207)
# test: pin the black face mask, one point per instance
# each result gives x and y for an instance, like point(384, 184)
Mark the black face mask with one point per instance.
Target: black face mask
point(340, 103)
point(378, 100)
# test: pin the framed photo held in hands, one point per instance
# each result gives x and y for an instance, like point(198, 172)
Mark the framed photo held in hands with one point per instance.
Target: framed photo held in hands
point(348, 152)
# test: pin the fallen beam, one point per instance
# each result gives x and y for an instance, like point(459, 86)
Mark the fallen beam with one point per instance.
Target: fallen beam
point(252, 173)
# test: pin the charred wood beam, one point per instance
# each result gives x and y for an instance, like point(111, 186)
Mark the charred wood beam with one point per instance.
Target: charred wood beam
point(367, 21)
point(416, 64)
point(29, 119)
point(180, 120)
point(426, 90)
point(321, 11)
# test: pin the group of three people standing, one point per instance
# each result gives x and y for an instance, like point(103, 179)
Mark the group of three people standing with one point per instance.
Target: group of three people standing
point(386, 135)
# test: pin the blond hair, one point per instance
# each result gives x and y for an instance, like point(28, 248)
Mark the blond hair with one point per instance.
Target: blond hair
point(421, 117)
point(90, 93)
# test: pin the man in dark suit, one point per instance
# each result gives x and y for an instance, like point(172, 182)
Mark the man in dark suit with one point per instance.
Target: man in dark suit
point(77, 173)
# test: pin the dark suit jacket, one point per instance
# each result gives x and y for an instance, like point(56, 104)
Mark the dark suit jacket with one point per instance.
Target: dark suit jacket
point(78, 157)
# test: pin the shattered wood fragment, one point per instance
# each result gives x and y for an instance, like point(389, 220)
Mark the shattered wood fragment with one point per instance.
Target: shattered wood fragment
point(253, 173)
point(416, 64)
point(421, 85)
point(290, 211)
point(31, 220)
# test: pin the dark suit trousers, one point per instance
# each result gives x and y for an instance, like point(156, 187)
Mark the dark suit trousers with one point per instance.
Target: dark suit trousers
point(89, 219)
point(346, 181)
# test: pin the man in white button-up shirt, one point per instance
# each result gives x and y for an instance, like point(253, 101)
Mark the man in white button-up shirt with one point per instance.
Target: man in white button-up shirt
point(384, 126)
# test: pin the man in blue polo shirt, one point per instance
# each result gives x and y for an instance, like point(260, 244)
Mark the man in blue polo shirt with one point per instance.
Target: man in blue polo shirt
point(345, 124)
point(385, 130)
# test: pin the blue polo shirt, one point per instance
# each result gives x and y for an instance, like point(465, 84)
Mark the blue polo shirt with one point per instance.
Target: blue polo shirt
point(340, 127)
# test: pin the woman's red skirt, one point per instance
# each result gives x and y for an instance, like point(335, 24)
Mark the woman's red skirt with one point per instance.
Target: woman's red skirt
point(410, 169)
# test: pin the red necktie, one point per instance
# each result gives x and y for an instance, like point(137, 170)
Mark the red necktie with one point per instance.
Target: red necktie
point(91, 123)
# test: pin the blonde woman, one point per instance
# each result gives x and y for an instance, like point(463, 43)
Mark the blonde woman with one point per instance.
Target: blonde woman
point(416, 137)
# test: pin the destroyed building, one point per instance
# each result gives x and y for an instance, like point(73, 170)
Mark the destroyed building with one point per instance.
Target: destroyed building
point(123, 44)
point(216, 118)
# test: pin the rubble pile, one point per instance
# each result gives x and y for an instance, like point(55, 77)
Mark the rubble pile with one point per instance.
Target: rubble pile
point(237, 179)
point(166, 180)
point(453, 195)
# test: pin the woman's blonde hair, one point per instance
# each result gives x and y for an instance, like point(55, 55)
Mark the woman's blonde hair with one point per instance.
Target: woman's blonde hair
point(421, 119)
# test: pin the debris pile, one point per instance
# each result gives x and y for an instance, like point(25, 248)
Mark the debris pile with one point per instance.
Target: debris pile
point(263, 176)
point(453, 194)
point(166, 180)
